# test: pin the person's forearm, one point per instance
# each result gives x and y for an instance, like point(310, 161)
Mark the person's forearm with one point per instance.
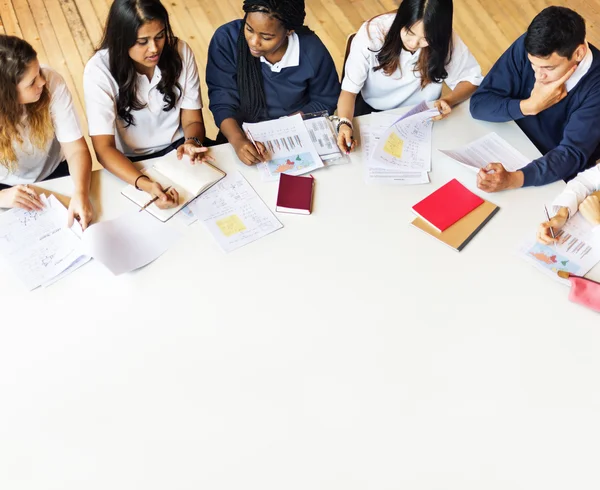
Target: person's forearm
point(461, 92)
point(80, 168)
point(231, 130)
point(195, 130)
point(118, 164)
point(346, 104)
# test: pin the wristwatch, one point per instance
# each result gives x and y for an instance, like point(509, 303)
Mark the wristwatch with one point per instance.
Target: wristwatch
point(195, 140)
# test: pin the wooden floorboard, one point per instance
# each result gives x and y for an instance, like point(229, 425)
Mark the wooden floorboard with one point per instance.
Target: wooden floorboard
point(66, 32)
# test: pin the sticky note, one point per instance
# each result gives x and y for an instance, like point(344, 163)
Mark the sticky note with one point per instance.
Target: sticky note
point(230, 225)
point(394, 145)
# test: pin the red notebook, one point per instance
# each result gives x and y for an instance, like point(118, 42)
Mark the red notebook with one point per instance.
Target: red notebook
point(295, 194)
point(444, 207)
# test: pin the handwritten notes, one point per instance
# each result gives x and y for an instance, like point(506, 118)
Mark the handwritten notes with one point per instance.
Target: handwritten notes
point(234, 213)
point(394, 145)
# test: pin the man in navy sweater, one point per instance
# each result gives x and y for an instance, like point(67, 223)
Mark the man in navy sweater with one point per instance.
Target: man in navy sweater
point(548, 81)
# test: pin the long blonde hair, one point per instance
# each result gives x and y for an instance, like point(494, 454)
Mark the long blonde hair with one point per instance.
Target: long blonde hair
point(15, 56)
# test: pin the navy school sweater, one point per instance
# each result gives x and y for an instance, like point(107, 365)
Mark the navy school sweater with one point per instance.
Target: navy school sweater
point(311, 86)
point(567, 134)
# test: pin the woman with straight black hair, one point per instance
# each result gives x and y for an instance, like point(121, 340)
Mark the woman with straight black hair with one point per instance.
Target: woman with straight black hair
point(264, 66)
point(142, 95)
point(400, 59)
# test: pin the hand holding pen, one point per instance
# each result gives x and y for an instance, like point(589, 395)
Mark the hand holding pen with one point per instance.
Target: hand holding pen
point(164, 199)
point(248, 150)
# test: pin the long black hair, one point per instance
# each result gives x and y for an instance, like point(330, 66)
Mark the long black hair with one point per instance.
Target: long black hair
point(437, 25)
point(253, 102)
point(120, 34)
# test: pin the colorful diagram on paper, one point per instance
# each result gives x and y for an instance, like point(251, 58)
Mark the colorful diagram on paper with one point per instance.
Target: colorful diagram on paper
point(230, 225)
point(549, 259)
point(292, 165)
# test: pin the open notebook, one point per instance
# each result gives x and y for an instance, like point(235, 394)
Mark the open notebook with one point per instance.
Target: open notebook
point(188, 180)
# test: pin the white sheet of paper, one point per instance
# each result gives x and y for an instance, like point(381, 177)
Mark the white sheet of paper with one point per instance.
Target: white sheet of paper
point(38, 245)
point(289, 147)
point(128, 242)
point(577, 250)
point(406, 145)
point(322, 135)
point(370, 135)
point(488, 149)
point(234, 213)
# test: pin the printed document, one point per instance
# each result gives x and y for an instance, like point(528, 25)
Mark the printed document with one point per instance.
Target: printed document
point(234, 213)
point(288, 144)
point(490, 148)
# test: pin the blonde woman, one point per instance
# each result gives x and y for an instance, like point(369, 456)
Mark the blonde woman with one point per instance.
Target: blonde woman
point(39, 132)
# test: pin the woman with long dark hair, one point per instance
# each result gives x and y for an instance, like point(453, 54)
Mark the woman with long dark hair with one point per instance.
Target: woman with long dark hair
point(399, 59)
point(264, 66)
point(40, 137)
point(142, 95)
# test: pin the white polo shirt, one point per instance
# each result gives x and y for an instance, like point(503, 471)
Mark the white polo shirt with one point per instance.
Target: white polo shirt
point(35, 164)
point(153, 128)
point(403, 87)
point(291, 57)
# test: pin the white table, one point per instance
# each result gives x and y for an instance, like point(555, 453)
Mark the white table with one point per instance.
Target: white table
point(346, 351)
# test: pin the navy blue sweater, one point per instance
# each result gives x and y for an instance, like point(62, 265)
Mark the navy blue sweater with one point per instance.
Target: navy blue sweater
point(567, 134)
point(311, 86)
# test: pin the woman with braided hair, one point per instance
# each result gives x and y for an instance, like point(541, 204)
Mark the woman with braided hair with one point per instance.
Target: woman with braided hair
point(264, 66)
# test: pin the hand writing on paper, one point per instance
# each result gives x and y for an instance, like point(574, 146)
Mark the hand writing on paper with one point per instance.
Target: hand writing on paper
point(544, 234)
point(494, 177)
point(248, 153)
point(545, 95)
point(443, 107)
point(20, 196)
point(80, 208)
point(165, 200)
point(345, 140)
point(195, 152)
point(590, 209)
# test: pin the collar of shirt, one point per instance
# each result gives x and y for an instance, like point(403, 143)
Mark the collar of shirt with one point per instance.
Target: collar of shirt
point(290, 58)
point(150, 84)
point(582, 69)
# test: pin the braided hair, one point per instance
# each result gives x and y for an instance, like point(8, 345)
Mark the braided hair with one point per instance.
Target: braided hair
point(253, 102)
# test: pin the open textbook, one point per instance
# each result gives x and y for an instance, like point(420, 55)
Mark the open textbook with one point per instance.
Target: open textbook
point(576, 252)
point(288, 144)
point(234, 213)
point(189, 180)
point(490, 148)
point(40, 248)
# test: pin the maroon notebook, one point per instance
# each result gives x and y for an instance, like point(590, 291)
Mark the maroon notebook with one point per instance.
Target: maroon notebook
point(445, 206)
point(295, 194)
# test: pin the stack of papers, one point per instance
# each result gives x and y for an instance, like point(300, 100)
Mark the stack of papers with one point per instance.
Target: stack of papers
point(398, 149)
point(289, 147)
point(40, 248)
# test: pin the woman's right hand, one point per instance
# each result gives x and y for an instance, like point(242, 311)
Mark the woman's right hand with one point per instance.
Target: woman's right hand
point(246, 152)
point(166, 200)
point(544, 235)
point(346, 141)
point(21, 196)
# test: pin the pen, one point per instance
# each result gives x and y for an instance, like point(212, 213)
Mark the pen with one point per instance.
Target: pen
point(253, 142)
point(551, 230)
point(154, 199)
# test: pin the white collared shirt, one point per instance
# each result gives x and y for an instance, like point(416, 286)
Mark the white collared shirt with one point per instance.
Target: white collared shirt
point(583, 67)
point(35, 164)
point(153, 128)
point(577, 190)
point(291, 57)
point(403, 87)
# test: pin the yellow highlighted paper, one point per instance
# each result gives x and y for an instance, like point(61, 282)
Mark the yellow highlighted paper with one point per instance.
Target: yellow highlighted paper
point(230, 225)
point(394, 145)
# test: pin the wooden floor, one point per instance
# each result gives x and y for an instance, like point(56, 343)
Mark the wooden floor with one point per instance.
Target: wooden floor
point(65, 32)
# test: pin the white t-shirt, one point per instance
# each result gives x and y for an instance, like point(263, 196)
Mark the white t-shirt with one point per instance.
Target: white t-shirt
point(35, 164)
point(153, 128)
point(403, 87)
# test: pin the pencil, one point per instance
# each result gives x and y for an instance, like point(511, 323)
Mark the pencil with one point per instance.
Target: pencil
point(253, 142)
point(551, 230)
point(154, 199)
